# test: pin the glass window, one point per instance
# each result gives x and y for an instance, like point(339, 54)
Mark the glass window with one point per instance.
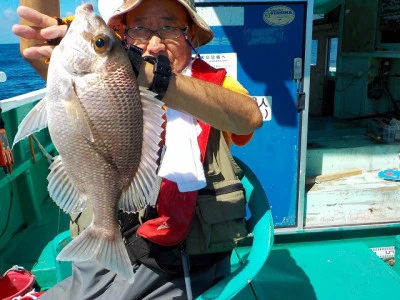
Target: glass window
point(333, 47)
point(314, 52)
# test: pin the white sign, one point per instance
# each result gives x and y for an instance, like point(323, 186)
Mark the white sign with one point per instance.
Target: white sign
point(227, 61)
point(265, 105)
point(222, 15)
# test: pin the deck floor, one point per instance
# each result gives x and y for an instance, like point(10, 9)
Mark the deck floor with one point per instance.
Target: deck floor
point(321, 269)
point(325, 270)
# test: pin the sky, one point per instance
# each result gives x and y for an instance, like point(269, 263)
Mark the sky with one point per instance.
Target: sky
point(9, 17)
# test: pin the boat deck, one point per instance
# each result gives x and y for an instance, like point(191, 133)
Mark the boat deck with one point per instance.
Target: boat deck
point(325, 266)
point(330, 263)
point(344, 269)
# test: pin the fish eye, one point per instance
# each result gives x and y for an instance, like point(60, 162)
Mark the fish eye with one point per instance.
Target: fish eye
point(101, 43)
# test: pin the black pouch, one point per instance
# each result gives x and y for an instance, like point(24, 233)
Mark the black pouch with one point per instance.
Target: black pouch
point(141, 250)
point(138, 248)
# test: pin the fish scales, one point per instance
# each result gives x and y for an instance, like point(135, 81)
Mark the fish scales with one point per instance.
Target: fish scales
point(105, 129)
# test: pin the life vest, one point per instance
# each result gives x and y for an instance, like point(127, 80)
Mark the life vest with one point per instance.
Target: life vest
point(176, 209)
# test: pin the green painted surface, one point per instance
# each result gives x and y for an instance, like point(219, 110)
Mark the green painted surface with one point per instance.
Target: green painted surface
point(47, 270)
point(336, 264)
point(260, 224)
point(325, 270)
point(27, 244)
point(29, 219)
point(24, 192)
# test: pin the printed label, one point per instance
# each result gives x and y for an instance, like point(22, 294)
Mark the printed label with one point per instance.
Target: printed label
point(227, 61)
point(279, 15)
point(265, 105)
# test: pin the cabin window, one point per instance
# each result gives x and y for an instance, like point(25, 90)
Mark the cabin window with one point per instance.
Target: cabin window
point(333, 49)
point(388, 36)
point(314, 52)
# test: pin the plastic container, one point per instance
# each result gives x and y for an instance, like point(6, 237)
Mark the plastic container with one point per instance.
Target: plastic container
point(48, 270)
point(16, 282)
point(380, 129)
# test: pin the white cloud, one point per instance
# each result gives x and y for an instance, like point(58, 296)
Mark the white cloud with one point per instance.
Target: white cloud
point(9, 13)
point(68, 13)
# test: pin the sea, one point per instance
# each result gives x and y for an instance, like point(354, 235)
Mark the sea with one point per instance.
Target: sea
point(21, 77)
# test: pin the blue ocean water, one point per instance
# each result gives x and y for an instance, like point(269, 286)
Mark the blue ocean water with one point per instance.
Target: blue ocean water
point(21, 77)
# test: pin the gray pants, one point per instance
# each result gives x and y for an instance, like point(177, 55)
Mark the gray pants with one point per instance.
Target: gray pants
point(90, 281)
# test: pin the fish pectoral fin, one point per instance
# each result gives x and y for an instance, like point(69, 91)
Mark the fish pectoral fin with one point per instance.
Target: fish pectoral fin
point(76, 113)
point(34, 121)
point(145, 185)
point(108, 251)
point(62, 190)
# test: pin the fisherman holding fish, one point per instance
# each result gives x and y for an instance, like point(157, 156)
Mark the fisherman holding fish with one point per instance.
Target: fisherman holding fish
point(178, 233)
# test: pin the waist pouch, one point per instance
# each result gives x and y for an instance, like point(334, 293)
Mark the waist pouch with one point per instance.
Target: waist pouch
point(139, 249)
point(219, 222)
point(167, 259)
point(211, 231)
point(175, 212)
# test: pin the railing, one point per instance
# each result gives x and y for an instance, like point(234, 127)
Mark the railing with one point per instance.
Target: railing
point(14, 103)
point(20, 100)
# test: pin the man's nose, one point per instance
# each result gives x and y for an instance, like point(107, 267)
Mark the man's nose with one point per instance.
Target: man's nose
point(155, 44)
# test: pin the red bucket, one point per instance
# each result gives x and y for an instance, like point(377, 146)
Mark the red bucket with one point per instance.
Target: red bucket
point(16, 282)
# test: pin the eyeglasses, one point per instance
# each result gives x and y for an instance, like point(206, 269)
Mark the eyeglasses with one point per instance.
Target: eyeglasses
point(165, 33)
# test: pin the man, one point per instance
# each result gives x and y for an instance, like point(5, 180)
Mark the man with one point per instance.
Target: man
point(168, 28)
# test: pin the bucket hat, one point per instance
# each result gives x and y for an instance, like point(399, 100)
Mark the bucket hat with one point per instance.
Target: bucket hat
point(203, 33)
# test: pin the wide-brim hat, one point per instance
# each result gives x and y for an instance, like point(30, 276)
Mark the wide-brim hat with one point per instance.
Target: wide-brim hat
point(203, 33)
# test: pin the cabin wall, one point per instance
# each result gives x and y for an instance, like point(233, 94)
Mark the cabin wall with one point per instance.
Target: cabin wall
point(361, 76)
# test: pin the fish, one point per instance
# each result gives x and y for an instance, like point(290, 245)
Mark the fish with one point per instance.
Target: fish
point(107, 132)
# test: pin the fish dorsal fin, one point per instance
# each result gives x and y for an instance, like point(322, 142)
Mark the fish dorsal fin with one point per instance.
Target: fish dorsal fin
point(62, 190)
point(76, 114)
point(34, 121)
point(145, 185)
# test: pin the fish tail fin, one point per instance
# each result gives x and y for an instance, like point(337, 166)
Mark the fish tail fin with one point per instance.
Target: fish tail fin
point(108, 251)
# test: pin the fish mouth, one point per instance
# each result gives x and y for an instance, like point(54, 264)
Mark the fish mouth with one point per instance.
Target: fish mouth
point(86, 8)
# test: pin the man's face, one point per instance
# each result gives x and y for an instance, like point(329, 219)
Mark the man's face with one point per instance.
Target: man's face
point(156, 14)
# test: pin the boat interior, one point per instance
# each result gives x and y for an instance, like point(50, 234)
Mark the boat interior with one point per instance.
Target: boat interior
point(344, 246)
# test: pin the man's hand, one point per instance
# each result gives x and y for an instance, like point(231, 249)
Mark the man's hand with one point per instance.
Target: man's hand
point(42, 28)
